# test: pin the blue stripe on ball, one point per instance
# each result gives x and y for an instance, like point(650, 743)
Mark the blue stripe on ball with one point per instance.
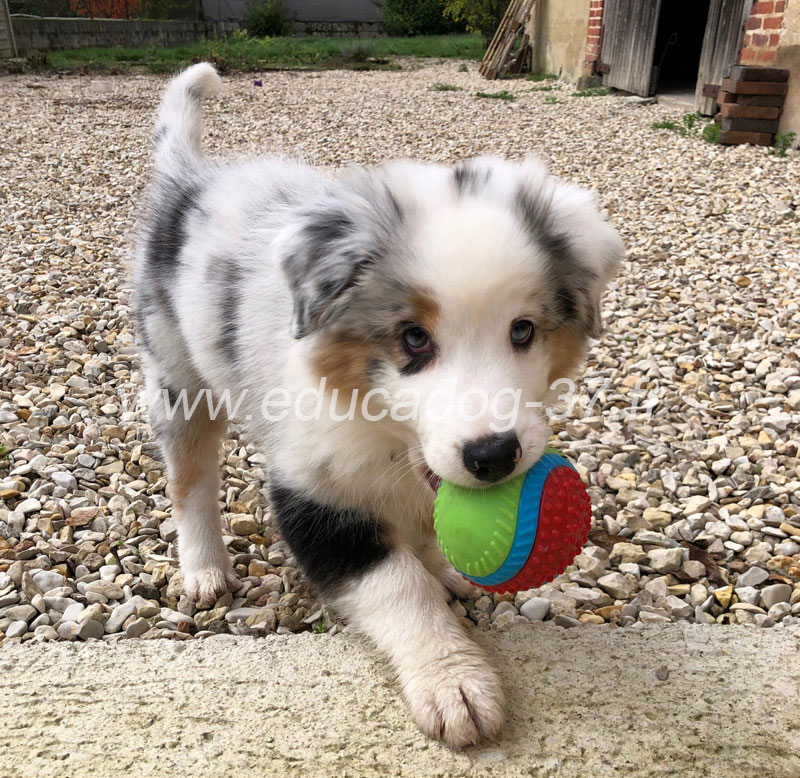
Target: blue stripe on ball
point(527, 520)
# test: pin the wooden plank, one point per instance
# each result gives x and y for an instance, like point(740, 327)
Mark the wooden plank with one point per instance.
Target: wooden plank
point(750, 125)
point(746, 73)
point(7, 46)
point(732, 137)
point(721, 44)
point(754, 87)
point(629, 40)
point(736, 111)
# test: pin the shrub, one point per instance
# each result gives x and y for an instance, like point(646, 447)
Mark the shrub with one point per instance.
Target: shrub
point(481, 16)
point(266, 20)
point(417, 17)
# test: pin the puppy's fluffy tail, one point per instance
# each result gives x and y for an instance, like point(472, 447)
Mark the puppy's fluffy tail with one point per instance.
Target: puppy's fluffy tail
point(180, 118)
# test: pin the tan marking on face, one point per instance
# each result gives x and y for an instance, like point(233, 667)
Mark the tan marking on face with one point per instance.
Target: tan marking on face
point(567, 350)
point(343, 360)
point(425, 311)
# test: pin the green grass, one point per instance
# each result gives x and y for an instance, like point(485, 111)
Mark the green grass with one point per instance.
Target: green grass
point(541, 77)
point(444, 88)
point(3, 453)
point(543, 89)
point(504, 95)
point(550, 100)
point(244, 54)
point(595, 91)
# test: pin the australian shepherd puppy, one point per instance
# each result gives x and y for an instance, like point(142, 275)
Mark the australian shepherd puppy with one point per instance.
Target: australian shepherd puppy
point(377, 331)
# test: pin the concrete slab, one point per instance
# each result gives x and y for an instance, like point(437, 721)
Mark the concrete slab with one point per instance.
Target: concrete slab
point(585, 702)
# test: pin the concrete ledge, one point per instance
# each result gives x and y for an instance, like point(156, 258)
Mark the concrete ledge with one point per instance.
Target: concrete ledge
point(582, 702)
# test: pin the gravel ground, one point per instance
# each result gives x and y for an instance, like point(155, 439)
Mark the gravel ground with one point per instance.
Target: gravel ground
point(686, 427)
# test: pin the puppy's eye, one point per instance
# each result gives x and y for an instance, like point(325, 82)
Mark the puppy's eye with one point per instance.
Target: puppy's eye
point(522, 332)
point(417, 341)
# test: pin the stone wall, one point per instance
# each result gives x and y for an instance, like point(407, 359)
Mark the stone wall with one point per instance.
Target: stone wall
point(57, 34)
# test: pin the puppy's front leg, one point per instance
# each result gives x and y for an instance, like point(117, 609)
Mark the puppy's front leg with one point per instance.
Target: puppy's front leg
point(384, 589)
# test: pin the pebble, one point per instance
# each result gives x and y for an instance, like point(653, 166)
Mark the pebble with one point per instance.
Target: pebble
point(776, 593)
point(665, 560)
point(535, 609)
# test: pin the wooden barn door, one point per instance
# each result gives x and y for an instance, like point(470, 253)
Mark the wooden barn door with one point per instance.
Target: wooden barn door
point(721, 44)
point(629, 42)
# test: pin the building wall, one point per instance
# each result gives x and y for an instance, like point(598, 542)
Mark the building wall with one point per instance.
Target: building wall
point(305, 12)
point(594, 34)
point(762, 33)
point(788, 56)
point(36, 34)
point(558, 32)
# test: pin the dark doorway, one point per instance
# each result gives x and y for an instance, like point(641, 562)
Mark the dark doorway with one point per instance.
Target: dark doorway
point(679, 43)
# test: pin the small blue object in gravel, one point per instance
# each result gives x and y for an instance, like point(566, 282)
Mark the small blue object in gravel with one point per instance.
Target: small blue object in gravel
point(257, 82)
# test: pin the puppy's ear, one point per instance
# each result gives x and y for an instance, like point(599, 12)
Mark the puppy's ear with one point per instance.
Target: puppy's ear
point(327, 251)
point(583, 251)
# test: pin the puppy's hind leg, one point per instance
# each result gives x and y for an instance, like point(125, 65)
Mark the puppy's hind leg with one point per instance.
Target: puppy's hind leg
point(191, 443)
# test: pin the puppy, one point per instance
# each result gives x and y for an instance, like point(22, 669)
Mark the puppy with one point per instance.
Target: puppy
point(446, 300)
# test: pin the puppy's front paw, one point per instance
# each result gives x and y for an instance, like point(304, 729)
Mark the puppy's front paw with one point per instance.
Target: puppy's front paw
point(456, 584)
point(457, 699)
point(207, 585)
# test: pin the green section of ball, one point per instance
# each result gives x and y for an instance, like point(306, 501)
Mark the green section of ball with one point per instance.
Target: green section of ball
point(476, 527)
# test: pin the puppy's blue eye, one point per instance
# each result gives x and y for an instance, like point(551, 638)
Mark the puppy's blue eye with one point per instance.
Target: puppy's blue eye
point(522, 332)
point(416, 340)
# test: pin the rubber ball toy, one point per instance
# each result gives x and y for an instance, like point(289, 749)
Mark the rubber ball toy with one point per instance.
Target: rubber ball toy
point(518, 534)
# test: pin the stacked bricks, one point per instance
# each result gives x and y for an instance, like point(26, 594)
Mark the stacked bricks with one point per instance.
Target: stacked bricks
point(594, 35)
point(762, 33)
point(751, 99)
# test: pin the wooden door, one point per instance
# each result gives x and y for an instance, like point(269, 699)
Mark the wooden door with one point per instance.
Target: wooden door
point(629, 42)
point(721, 45)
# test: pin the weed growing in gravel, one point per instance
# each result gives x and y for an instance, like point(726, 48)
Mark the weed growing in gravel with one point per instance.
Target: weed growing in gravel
point(3, 453)
point(438, 87)
point(319, 628)
point(541, 77)
point(783, 142)
point(594, 91)
point(543, 89)
point(463, 68)
point(504, 95)
point(690, 126)
point(711, 133)
point(550, 100)
point(664, 124)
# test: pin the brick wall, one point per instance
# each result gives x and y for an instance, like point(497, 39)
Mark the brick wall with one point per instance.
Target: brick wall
point(594, 34)
point(762, 33)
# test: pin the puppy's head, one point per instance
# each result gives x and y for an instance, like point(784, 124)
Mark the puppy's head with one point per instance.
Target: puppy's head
point(451, 300)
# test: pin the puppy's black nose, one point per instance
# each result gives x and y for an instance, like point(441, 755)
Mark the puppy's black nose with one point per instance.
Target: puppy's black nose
point(492, 457)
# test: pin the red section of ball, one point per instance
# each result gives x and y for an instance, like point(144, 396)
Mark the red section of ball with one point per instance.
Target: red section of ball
point(565, 518)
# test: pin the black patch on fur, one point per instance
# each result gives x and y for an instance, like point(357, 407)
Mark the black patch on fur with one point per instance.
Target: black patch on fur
point(173, 395)
point(567, 304)
point(230, 302)
point(331, 544)
point(570, 280)
point(468, 179)
point(168, 233)
point(417, 363)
